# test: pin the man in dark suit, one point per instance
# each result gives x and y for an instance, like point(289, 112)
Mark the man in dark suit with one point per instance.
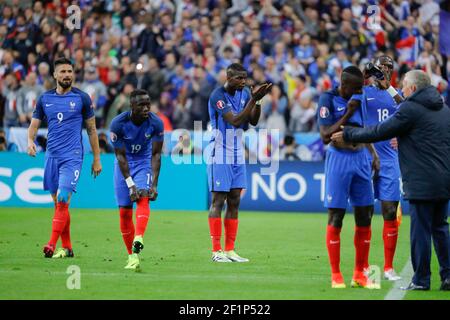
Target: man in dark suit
point(422, 128)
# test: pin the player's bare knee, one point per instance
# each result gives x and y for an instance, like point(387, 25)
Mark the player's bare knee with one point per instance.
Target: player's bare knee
point(217, 204)
point(389, 210)
point(336, 217)
point(363, 216)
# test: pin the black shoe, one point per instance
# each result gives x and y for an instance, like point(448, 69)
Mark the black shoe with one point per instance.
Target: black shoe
point(413, 286)
point(445, 286)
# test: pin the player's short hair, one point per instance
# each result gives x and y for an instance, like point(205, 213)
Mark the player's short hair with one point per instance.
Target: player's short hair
point(354, 71)
point(60, 61)
point(135, 93)
point(235, 67)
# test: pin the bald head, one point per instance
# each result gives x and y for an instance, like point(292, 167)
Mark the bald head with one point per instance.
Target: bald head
point(415, 80)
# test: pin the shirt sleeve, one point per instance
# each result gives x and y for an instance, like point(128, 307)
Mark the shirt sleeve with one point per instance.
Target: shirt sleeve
point(38, 112)
point(218, 103)
point(158, 132)
point(325, 114)
point(116, 135)
point(87, 109)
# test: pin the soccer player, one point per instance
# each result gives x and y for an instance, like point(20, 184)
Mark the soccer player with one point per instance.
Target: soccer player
point(347, 175)
point(381, 102)
point(231, 107)
point(137, 137)
point(65, 109)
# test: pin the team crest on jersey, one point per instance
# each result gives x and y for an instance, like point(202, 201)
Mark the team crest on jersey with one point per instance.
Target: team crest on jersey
point(113, 136)
point(220, 104)
point(324, 112)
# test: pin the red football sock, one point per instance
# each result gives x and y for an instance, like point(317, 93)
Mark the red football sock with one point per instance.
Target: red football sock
point(334, 247)
point(59, 221)
point(127, 227)
point(366, 258)
point(215, 230)
point(231, 226)
point(65, 234)
point(362, 246)
point(390, 235)
point(142, 215)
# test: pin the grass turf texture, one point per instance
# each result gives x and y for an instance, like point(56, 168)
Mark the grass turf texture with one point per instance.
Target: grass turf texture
point(287, 252)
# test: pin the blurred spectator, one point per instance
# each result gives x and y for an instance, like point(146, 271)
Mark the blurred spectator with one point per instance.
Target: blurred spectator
point(27, 98)
point(288, 150)
point(10, 92)
point(120, 104)
point(185, 146)
point(4, 145)
point(303, 112)
point(183, 47)
point(97, 91)
point(103, 143)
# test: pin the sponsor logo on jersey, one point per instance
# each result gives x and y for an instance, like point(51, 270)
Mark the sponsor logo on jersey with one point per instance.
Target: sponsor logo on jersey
point(147, 135)
point(220, 104)
point(324, 112)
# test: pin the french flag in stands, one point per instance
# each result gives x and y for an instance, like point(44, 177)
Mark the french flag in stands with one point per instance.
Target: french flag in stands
point(408, 48)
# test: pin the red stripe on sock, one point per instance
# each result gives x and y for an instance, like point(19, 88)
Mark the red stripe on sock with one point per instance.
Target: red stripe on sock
point(362, 247)
point(333, 239)
point(127, 227)
point(142, 215)
point(231, 226)
point(215, 230)
point(59, 221)
point(390, 236)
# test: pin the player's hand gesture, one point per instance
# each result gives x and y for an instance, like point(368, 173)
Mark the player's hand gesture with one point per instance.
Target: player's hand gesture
point(134, 195)
point(338, 137)
point(31, 150)
point(96, 168)
point(383, 84)
point(153, 194)
point(261, 91)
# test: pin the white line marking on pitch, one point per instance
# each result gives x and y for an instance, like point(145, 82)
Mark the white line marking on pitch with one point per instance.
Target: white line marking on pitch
point(396, 293)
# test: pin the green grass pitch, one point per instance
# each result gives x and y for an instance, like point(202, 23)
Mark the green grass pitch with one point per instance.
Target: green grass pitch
point(287, 252)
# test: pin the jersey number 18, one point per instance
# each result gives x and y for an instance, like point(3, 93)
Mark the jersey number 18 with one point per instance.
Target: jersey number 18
point(383, 114)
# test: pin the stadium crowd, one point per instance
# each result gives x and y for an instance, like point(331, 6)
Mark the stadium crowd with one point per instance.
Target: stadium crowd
point(178, 50)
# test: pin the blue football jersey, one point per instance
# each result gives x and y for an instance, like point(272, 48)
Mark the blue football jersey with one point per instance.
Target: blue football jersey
point(380, 106)
point(65, 114)
point(137, 140)
point(227, 139)
point(332, 107)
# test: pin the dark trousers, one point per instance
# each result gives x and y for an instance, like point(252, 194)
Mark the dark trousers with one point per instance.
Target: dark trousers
point(429, 221)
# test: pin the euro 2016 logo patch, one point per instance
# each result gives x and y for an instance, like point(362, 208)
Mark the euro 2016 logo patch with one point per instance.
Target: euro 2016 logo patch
point(220, 104)
point(113, 136)
point(324, 112)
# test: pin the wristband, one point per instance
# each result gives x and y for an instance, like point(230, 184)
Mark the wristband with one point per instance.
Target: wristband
point(392, 92)
point(130, 182)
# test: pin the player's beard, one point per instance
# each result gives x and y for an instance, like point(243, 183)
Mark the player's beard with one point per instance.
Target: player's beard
point(65, 84)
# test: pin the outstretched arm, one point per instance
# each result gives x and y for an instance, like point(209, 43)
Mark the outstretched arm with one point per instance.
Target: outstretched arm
point(156, 166)
point(397, 125)
point(93, 140)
